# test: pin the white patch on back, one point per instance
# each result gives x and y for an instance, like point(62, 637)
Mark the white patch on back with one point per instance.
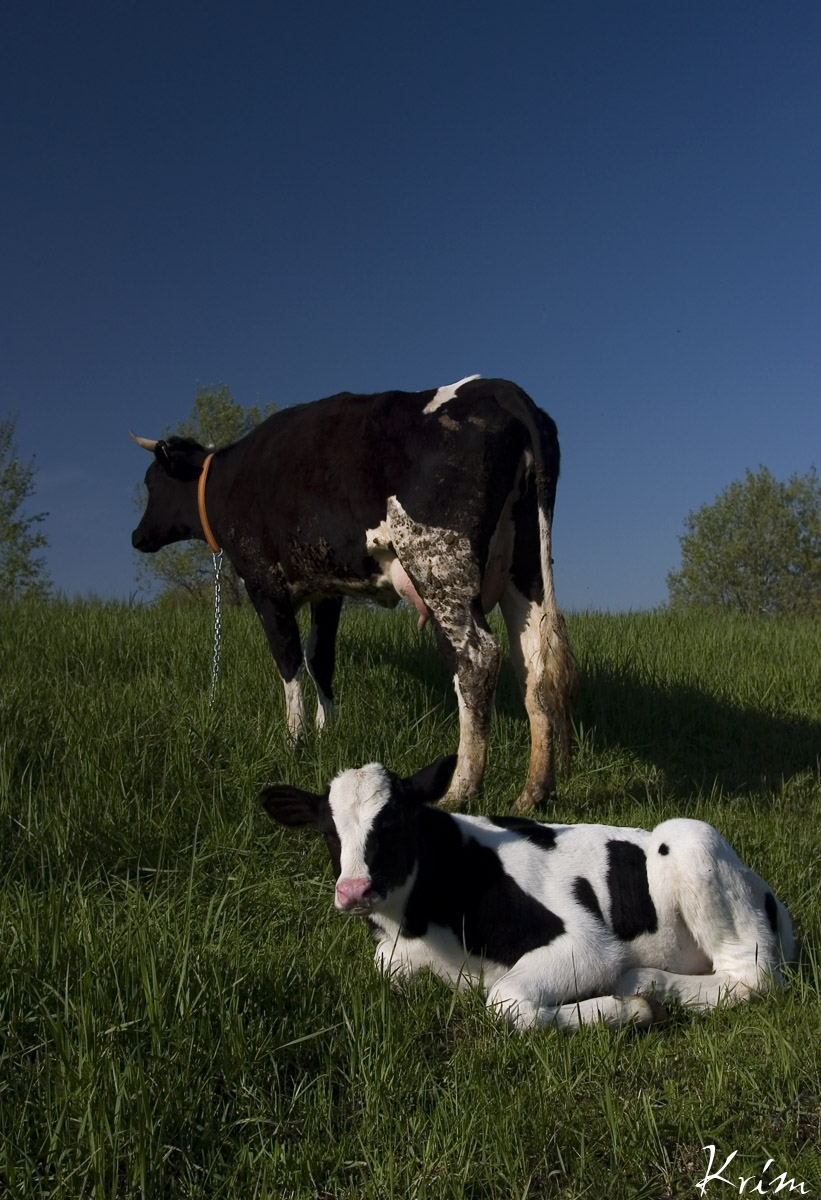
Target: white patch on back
point(446, 393)
point(356, 798)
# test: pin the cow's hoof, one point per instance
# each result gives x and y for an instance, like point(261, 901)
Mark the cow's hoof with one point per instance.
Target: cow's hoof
point(524, 804)
point(531, 798)
point(325, 714)
point(454, 802)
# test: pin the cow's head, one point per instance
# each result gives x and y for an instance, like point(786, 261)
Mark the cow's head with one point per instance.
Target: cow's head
point(171, 514)
point(368, 820)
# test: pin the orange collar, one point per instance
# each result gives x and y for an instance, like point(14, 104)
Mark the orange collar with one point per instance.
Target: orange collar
point(206, 528)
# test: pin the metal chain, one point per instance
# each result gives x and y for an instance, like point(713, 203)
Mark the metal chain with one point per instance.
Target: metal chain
point(215, 666)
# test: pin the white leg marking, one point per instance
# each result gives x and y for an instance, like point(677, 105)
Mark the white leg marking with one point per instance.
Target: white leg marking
point(446, 393)
point(471, 758)
point(325, 711)
point(523, 619)
point(295, 707)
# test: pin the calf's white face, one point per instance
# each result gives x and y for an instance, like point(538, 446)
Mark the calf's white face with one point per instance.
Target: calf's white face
point(368, 819)
point(356, 799)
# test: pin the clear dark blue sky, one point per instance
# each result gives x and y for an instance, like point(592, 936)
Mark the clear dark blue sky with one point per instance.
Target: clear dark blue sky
point(613, 202)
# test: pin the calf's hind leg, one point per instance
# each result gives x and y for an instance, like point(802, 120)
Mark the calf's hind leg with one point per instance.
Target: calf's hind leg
point(741, 929)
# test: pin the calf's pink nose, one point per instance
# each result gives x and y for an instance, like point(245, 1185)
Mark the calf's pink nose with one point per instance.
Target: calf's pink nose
point(350, 891)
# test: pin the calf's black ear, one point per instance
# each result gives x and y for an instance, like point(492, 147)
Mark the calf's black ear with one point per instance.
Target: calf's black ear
point(430, 784)
point(290, 805)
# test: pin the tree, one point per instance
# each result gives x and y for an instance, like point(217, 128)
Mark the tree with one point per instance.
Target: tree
point(186, 569)
point(756, 548)
point(21, 572)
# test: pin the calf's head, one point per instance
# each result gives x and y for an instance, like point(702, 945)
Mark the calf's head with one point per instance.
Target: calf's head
point(171, 514)
point(368, 817)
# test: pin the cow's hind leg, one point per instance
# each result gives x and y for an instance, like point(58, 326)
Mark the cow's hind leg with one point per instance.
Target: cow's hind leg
point(320, 655)
point(467, 644)
point(523, 618)
point(446, 575)
point(539, 647)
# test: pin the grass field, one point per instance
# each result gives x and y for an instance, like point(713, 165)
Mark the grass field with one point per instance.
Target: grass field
point(182, 1014)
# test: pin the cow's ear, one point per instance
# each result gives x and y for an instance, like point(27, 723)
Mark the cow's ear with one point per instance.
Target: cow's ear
point(290, 805)
point(181, 458)
point(430, 784)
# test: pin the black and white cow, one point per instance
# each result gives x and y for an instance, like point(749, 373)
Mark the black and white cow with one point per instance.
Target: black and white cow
point(563, 924)
point(443, 497)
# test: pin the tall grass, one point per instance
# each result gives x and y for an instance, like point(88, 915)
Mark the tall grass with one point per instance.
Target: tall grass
point(182, 1014)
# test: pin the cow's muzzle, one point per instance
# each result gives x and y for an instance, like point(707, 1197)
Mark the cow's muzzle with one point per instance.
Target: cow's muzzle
point(356, 896)
point(142, 539)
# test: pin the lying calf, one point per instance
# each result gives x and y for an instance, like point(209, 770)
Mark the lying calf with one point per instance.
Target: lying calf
point(562, 923)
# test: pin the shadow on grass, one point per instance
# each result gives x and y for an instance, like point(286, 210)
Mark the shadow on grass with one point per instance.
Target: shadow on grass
point(694, 738)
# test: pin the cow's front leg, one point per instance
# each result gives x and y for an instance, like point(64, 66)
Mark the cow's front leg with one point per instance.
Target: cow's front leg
point(320, 654)
point(281, 630)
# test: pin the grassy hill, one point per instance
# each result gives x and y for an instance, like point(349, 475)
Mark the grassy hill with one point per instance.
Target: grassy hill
point(182, 1014)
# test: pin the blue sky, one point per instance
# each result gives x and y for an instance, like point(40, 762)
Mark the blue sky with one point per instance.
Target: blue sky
point(614, 203)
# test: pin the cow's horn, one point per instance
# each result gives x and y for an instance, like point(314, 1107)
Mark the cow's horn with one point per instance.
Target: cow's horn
point(146, 443)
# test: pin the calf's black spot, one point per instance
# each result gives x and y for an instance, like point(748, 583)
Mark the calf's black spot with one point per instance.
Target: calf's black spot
point(534, 831)
point(390, 846)
point(583, 891)
point(464, 887)
point(631, 907)
point(771, 909)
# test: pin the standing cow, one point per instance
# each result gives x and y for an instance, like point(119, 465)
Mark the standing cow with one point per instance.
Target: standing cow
point(443, 497)
point(561, 924)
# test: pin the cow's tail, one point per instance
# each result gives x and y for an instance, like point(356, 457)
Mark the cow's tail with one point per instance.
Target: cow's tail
point(558, 680)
